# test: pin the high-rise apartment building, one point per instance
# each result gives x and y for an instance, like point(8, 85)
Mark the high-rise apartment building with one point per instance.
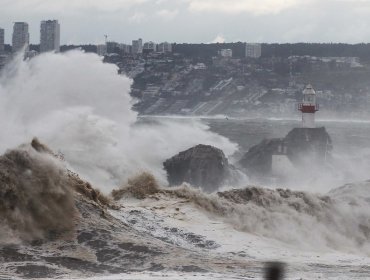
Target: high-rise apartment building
point(137, 46)
point(253, 50)
point(164, 47)
point(125, 49)
point(112, 47)
point(226, 53)
point(21, 37)
point(101, 50)
point(150, 47)
point(2, 40)
point(49, 36)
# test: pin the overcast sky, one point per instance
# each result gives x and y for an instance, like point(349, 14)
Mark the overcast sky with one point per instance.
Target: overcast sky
point(86, 21)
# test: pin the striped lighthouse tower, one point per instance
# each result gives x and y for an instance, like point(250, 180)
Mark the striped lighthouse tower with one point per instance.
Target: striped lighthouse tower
point(308, 107)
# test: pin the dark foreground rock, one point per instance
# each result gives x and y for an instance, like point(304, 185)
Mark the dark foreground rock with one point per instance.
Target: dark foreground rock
point(202, 166)
point(300, 146)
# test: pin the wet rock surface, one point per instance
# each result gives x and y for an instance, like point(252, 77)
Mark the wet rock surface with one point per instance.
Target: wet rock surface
point(258, 159)
point(299, 146)
point(313, 142)
point(202, 166)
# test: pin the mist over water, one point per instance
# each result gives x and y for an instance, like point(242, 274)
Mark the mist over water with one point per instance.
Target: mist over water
point(81, 107)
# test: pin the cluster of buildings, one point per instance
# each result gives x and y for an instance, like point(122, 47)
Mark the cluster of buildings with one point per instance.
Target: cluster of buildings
point(136, 48)
point(253, 50)
point(49, 36)
point(50, 41)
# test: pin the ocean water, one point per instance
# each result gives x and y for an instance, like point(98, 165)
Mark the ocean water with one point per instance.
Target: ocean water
point(350, 138)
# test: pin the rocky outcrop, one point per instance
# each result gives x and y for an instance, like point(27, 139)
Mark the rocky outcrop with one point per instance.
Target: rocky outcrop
point(202, 166)
point(298, 145)
point(313, 142)
point(258, 159)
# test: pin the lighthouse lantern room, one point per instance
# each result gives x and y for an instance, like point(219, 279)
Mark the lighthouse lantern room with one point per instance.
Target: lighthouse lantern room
point(308, 107)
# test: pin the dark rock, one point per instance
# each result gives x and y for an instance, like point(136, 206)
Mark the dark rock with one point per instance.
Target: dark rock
point(202, 166)
point(303, 142)
point(258, 159)
point(299, 145)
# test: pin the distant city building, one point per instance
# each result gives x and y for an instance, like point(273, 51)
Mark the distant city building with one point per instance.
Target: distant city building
point(21, 37)
point(253, 50)
point(49, 36)
point(112, 47)
point(2, 40)
point(164, 47)
point(226, 53)
point(150, 47)
point(4, 59)
point(125, 49)
point(30, 54)
point(137, 46)
point(101, 49)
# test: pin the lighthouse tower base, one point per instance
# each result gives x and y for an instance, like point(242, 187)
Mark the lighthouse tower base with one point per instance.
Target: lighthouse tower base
point(308, 120)
point(303, 146)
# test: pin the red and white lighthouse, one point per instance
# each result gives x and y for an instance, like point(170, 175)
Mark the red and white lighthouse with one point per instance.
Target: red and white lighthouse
point(308, 107)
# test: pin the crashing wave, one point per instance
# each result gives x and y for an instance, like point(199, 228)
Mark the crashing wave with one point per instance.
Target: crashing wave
point(299, 219)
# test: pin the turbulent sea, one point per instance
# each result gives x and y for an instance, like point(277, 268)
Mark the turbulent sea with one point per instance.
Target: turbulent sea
point(59, 220)
point(350, 138)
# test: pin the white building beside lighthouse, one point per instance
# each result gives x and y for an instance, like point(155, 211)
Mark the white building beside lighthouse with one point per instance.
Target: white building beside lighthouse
point(308, 107)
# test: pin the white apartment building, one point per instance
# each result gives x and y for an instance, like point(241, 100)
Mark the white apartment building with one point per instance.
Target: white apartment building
point(21, 36)
point(226, 53)
point(49, 36)
point(101, 50)
point(2, 40)
point(253, 50)
point(165, 47)
point(125, 49)
point(137, 46)
point(150, 46)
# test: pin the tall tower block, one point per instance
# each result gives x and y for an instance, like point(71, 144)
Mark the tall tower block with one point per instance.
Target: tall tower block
point(49, 36)
point(308, 107)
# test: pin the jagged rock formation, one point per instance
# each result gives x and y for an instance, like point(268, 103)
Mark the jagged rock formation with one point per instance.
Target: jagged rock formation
point(202, 166)
point(315, 142)
point(258, 159)
point(298, 145)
